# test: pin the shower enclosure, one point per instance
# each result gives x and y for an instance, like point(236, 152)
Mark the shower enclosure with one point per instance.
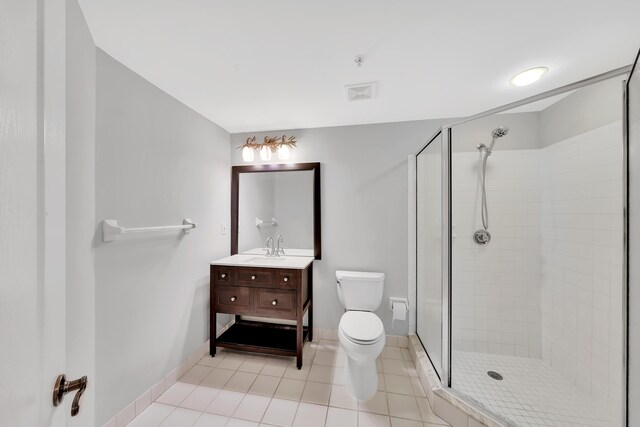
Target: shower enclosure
point(521, 257)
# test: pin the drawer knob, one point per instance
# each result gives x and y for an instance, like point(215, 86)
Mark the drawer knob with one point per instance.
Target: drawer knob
point(253, 277)
point(233, 299)
point(274, 302)
point(286, 279)
point(223, 275)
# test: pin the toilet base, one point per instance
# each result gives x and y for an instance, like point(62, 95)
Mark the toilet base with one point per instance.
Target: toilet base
point(361, 378)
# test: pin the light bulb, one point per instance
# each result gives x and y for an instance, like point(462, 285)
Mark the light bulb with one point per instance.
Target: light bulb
point(265, 154)
point(247, 154)
point(283, 152)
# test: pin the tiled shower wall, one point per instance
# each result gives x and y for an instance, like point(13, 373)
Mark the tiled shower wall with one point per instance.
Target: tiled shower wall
point(496, 288)
point(549, 285)
point(582, 241)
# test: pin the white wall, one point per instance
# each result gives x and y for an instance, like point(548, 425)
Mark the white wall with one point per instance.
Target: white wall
point(582, 251)
point(364, 205)
point(157, 162)
point(81, 206)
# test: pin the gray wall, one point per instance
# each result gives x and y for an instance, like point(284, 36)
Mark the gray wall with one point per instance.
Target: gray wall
point(364, 205)
point(589, 108)
point(524, 132)
point(157, 162)
point(81, 205)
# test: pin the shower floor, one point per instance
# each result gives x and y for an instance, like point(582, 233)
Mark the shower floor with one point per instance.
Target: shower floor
point(531, 393)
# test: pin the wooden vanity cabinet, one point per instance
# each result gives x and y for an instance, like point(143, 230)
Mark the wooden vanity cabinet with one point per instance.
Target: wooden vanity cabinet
point(276, 293)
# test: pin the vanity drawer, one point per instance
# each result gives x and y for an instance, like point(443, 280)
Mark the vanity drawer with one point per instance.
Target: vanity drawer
point(222, 275)
point(233, 299)
point(254, 276)
point(287, 279)
point(275, 303)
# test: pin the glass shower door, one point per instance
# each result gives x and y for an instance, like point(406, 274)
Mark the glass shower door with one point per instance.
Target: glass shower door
point(632, 102)
point(429, 250)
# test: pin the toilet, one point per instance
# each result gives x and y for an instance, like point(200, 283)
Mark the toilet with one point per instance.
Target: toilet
point(361, 332)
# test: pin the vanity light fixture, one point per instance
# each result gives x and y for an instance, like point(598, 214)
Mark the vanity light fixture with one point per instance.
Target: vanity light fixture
point(280, 144)
point(529, 76)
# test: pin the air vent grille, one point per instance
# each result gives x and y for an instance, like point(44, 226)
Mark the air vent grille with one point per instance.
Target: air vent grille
point(360, 91)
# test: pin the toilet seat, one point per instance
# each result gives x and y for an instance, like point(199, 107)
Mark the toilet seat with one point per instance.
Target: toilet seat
point(361, 327)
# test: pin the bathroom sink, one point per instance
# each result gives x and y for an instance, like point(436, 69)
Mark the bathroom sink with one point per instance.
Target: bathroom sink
point(240, 260)
point(266, 260)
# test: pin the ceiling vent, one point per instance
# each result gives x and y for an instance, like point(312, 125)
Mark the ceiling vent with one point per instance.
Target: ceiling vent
point(360, 91)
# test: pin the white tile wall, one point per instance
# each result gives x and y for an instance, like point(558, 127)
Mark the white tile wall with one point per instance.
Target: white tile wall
point(496, 288)
point(549, 285)
point(582, 249)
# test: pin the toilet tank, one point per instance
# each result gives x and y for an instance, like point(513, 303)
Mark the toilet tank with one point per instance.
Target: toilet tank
point(360, 290)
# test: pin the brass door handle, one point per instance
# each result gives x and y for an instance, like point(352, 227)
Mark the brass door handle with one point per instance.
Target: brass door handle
point(62, 387)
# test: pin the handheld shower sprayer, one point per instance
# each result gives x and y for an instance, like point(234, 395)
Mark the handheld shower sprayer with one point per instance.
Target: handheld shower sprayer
point(483, 236)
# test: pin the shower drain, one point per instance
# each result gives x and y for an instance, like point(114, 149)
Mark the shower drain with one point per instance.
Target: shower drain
point(494, 375)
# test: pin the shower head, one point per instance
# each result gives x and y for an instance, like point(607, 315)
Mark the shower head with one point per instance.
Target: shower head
point(499, 132)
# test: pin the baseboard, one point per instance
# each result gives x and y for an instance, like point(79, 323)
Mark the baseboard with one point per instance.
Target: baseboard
point(136, 407)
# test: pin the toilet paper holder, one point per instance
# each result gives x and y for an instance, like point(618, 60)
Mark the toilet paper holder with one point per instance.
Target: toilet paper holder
point(393, 300)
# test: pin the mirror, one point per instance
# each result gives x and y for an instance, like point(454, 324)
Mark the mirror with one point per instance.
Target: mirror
point(276, 200)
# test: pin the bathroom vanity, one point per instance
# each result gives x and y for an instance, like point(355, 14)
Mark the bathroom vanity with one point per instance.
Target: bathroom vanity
point(265, 287)
point(269, 295)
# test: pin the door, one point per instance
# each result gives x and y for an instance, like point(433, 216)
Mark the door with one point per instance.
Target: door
point(632, 133)
point(33, 284)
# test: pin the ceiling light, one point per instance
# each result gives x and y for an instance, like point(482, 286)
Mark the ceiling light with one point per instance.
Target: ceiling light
point(529, 76)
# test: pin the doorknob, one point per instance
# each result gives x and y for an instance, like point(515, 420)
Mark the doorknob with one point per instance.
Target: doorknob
point(62, 387)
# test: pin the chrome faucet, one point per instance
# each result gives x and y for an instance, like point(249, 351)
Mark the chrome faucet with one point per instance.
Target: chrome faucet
point(270, 249)
point(280, 249)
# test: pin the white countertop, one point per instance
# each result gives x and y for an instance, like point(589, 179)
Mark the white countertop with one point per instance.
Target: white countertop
point(244, 260)
point(287, 252)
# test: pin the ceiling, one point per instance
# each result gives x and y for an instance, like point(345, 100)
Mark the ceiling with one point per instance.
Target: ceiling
point(252, 65)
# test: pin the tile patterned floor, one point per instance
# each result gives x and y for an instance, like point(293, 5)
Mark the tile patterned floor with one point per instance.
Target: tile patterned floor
point(531, 393)
point(243, 390)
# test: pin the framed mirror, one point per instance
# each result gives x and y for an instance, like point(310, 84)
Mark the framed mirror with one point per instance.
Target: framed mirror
point(276, 200)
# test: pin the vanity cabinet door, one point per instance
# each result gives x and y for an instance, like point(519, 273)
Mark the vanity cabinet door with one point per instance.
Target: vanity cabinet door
point(254, 276)
point(233, 299)
point(276, 303)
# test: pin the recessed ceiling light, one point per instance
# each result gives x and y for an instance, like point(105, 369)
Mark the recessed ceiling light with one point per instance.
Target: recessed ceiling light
point(529, 76)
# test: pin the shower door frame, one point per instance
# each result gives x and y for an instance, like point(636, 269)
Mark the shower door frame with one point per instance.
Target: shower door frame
point(447, 237)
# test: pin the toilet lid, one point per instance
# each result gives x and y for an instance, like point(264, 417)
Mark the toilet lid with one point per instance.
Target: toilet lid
point(361, 326)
